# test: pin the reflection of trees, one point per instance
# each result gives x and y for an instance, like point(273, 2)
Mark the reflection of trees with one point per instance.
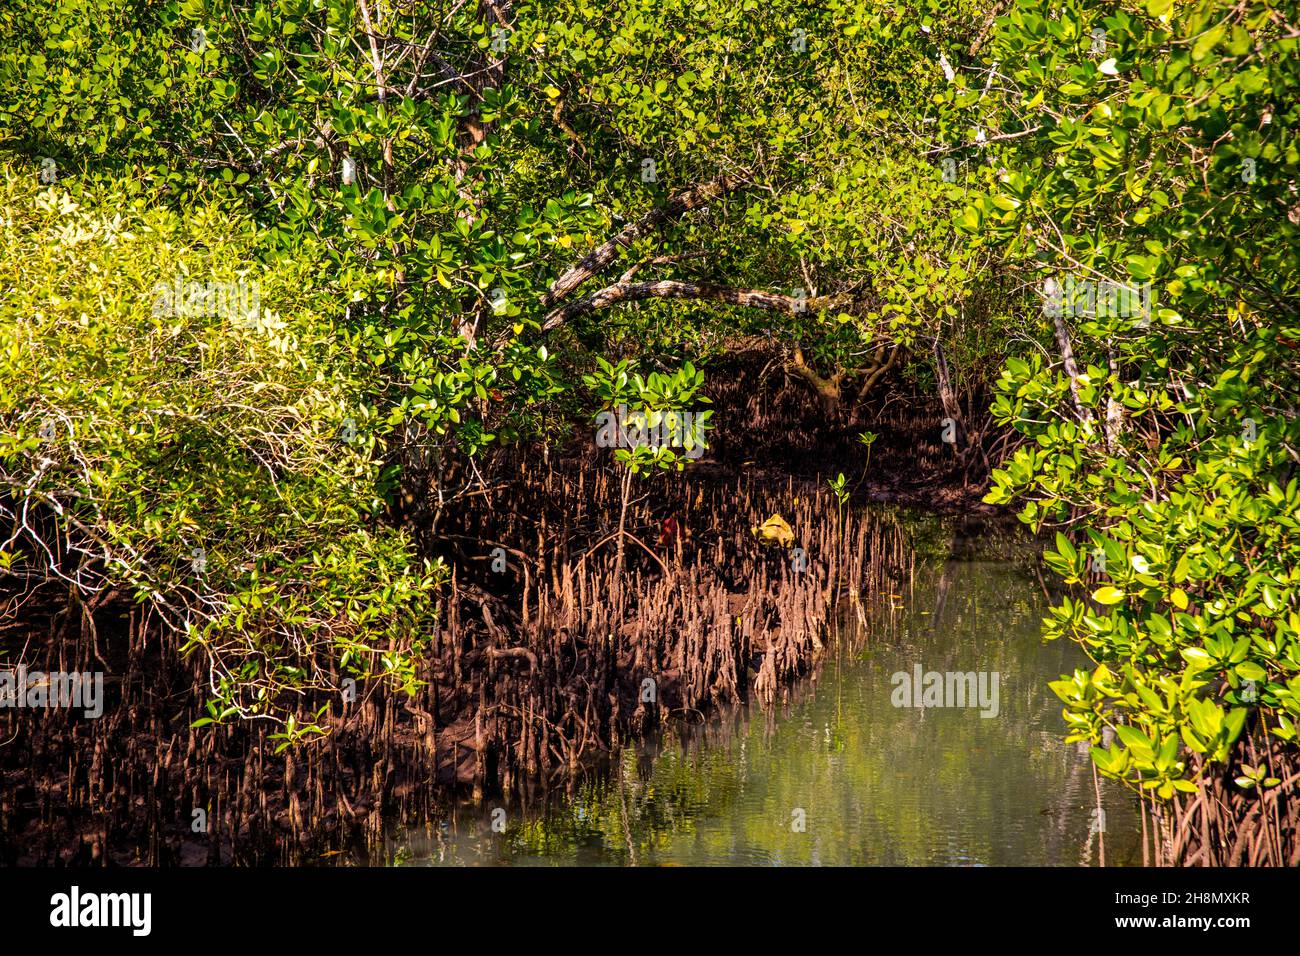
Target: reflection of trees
point(880, 786)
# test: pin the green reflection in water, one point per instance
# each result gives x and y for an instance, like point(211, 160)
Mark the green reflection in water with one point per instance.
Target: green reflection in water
point(876, 784)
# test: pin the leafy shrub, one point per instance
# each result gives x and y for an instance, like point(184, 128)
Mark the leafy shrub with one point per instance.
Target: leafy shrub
point(1158, 147)
point(223, 468)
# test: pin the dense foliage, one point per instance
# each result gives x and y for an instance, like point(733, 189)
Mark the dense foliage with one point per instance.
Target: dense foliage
point(475, 224)
point(202, 457)
point(1157, 147)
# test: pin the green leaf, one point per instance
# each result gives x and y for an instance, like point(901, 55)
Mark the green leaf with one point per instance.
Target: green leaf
point(1206, 42)
point(1108, 594)
point(1248, 670)
point(1135, 741)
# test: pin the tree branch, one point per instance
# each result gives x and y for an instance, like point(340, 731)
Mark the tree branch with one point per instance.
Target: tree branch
point(879, 370)
point(600, 257)
point(986, 29)
point(621, 292)
point(827, 388)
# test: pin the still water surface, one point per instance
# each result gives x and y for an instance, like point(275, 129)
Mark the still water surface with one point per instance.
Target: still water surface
point(839, 775)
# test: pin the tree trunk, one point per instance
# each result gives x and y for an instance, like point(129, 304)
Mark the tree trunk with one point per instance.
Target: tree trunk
point(828, 389)
point(1071, 369)
point(622, 526)
point(947, 398)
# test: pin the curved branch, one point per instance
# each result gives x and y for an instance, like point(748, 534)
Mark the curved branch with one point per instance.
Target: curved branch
point(878, 371)
point(827, 388)
point(600, 257)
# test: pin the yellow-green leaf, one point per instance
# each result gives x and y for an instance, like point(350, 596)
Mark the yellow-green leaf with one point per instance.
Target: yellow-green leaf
point(1108, 595)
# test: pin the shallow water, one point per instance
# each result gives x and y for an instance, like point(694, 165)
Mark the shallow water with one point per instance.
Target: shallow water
point(840, 775)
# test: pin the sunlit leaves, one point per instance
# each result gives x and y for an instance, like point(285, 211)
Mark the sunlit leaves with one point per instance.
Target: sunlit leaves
point(1193, 578)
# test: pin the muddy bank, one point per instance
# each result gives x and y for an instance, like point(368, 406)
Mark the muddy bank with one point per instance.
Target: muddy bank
point(521, 686)
point(769, 422)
